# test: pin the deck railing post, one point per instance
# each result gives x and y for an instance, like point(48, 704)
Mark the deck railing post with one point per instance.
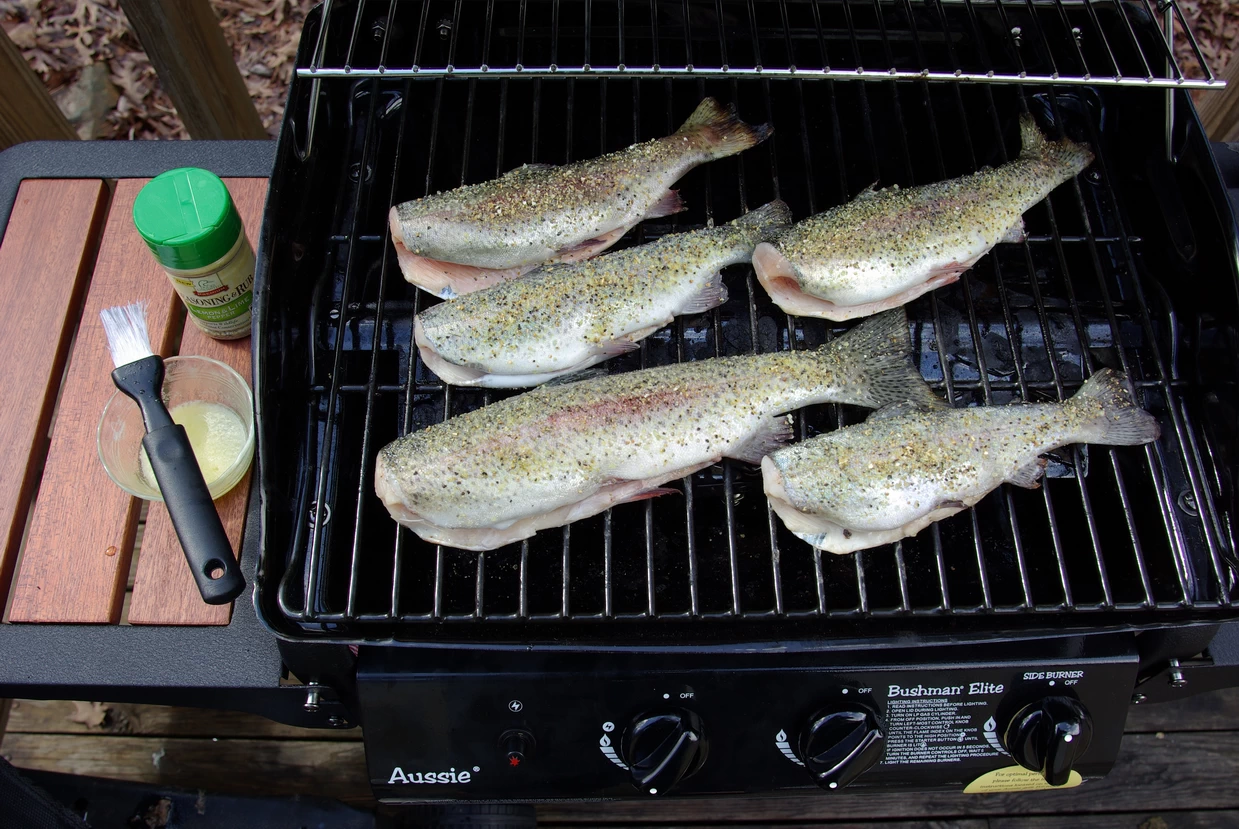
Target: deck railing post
point(27, 111)
point(1219, 111)
point(186, 46)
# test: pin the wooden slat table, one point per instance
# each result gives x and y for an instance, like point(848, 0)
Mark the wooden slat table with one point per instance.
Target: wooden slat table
point(70, 627)
point(71, 249)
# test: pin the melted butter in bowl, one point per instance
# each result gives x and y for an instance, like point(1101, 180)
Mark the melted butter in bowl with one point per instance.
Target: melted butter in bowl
point(217, 435)
point(214, 404)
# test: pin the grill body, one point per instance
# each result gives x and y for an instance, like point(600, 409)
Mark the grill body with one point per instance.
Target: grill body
point(1131, 266)
point(704, 597)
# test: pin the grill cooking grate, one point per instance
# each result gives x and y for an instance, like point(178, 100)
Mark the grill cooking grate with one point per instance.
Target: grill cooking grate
point(1118, 532)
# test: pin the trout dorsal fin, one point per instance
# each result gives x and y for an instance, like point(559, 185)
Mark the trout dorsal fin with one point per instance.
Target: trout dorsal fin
point(527, 171)
point(1032, 140)
point(764, 223)
point(874, 190)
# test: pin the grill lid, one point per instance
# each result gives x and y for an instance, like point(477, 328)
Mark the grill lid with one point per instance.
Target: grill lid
point(1131, 266)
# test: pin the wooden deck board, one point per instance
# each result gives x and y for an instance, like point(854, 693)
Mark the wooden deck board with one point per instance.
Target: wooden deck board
point(1178, 767)
point(164, 590)
point(324, 768)
point(964, 823)
point(1213, 819)
point(125, 719)
point(1216, 711)
point(1218, 819)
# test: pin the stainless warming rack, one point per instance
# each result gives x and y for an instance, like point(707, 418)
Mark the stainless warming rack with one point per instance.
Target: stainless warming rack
point(1131, 535)
point(1064, 42)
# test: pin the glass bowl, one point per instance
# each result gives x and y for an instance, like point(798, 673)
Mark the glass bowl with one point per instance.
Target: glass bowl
point(186, 380)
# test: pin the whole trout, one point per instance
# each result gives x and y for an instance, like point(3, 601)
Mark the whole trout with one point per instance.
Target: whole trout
point(901, 470)
point(560, 319)
point(474, 236)
point(887, 247)
point(564, 452)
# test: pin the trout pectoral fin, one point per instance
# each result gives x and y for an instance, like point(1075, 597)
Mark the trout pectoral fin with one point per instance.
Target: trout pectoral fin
point(773, 433)
point(1015, 234)
point(905, 407)
point(613, 348)
point(1029, 475)
point(590, 247)
point(651, 493)
point(712, 294)
point(668, 204)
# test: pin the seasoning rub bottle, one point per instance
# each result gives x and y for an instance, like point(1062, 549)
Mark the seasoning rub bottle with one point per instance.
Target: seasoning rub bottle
point(189, 222)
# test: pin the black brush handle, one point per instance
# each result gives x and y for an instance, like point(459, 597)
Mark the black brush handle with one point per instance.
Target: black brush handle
point(193, 513)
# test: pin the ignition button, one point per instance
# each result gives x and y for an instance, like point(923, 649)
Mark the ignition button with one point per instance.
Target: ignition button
point(517, 746)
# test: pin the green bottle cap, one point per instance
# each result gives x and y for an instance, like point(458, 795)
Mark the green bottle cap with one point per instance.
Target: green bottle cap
point(187, 218)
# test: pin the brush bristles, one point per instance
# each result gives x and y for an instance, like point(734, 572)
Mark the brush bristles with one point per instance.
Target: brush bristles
point(125, 326)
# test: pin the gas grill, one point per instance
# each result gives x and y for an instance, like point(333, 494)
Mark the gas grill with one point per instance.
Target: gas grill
point(616, 649)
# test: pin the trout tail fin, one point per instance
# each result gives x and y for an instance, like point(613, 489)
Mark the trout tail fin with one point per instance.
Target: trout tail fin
point(1064, 154)
point(1113, 417)
point(876, 363)
point(764, 223)
point(720, 132)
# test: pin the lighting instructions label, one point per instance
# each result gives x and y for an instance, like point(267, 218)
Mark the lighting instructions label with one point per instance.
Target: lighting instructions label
point(941, 725)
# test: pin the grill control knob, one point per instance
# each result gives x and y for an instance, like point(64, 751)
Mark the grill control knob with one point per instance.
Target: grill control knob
point(1048, 736)
point(840, 742)
point(663, 747)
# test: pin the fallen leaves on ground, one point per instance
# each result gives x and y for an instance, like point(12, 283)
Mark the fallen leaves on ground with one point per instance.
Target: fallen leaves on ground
point(60, 37)
point(90, 714)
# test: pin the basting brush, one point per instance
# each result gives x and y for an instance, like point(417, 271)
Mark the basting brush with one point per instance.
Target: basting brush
point(139, 374)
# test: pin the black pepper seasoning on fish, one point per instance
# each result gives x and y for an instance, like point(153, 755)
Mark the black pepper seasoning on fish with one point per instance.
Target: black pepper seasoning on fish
point(905, 468)
point(887, 247)
point(475, 236)
point(565, 452)
point(563, 318)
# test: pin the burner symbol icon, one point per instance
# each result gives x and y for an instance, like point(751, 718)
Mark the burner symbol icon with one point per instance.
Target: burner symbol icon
point(991, 735)
point(609, 751)
point(785, 748)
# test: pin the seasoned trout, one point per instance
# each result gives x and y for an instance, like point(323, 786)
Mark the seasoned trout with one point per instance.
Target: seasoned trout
point(475, 236)
point(887, 247)
point(562, 318)
point(905, 468)
point(564, 452)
